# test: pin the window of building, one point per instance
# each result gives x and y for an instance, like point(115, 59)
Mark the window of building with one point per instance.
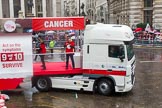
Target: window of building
point(5, 9)
point(39, 14)
point(39, 8)
point(148, 16)
point(148, 3)
point(16, 8)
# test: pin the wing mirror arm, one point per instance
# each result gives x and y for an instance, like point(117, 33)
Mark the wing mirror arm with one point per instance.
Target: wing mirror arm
point(121, 55)
point(121, 58)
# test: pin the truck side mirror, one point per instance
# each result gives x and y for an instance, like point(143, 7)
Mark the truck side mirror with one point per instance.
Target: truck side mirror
point(121, 58)
point(121, 53)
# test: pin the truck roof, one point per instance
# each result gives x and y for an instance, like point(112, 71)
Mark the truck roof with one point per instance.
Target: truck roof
point(107, 32)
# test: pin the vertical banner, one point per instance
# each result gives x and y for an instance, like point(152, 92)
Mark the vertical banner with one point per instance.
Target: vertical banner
point(16, 56)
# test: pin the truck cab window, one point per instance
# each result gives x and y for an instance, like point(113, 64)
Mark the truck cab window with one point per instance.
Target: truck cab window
point(115, 51)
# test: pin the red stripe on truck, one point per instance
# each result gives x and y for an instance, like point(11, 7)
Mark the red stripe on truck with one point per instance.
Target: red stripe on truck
point(105, 72)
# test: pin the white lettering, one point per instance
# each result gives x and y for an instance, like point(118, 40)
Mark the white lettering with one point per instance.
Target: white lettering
point(66, 23)
point(56, 24)
point(49, 24)
point(46, 24)
point(70, 23)
point(12, 65)
point(61, 24)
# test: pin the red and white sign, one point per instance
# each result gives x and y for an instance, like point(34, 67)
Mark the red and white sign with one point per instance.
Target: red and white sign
point(58, 23)
point(9, 26)
point(16, 56)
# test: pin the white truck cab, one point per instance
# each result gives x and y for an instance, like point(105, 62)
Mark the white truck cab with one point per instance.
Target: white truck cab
point(108, 52)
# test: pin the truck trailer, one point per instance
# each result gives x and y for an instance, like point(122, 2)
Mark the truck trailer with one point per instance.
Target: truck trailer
point(105, 64)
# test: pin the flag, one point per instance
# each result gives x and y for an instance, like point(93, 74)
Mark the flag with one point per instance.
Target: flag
point(148, 28)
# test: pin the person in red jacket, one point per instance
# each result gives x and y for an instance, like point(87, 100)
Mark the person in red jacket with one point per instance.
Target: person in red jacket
point(42, 50)
point(69, 48)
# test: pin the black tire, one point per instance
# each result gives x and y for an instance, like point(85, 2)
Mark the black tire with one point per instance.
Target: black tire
point(105, 87)
point(43, 84)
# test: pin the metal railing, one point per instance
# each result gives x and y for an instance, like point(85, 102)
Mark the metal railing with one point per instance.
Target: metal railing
point(153, 43)
point(58, 55)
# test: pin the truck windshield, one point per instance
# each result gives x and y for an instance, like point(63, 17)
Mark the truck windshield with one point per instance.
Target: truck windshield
point(130, 52)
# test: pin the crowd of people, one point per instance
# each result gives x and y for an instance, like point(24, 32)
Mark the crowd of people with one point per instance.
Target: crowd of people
point(145, 37)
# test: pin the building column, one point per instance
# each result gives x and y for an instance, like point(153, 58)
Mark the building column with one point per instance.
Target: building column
point(157, 16)
point(44, 8)
point(54, 7)
point(1, 12)
point(33, 9)
point(23, 7)
point(11, 5)
point(135, 12)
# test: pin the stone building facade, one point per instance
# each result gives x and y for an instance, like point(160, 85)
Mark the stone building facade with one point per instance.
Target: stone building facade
point(74, 7)
point(131, 12)
point(91, 10)
point(39, 8)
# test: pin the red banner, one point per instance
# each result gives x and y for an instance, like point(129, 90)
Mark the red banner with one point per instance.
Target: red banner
point(58, 23)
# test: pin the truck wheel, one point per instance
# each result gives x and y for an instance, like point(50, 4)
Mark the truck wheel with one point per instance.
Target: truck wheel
point(105, 87)
point(43, 84)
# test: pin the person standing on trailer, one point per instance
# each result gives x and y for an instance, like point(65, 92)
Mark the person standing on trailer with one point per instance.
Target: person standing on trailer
point(42, 50)
point(69, 48)
point(51, 46)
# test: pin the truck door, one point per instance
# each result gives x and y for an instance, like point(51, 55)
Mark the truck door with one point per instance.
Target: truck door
point(117, 63)
point(98, 56)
